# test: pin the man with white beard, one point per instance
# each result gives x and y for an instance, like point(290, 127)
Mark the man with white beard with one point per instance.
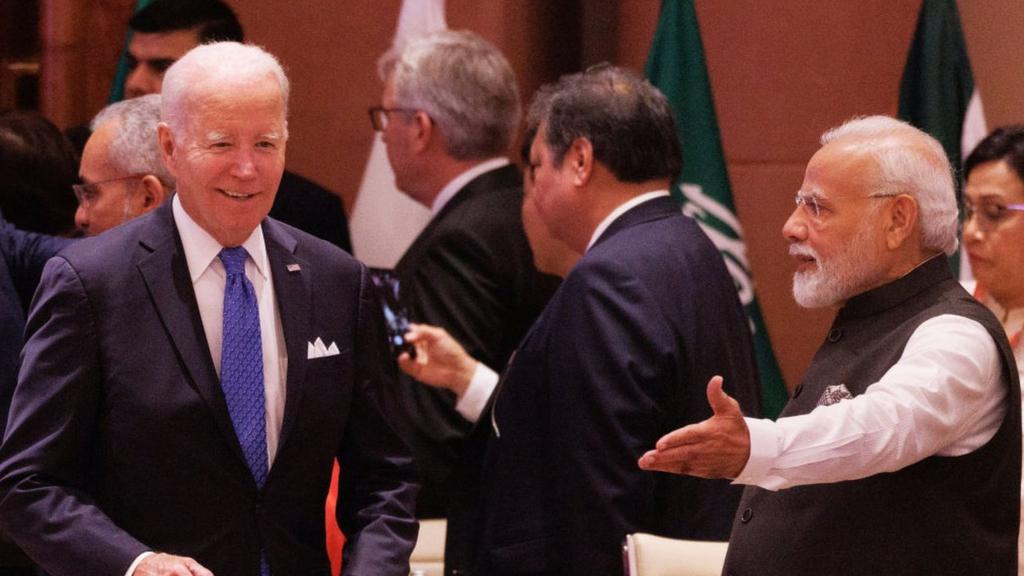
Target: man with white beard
point(899, 452)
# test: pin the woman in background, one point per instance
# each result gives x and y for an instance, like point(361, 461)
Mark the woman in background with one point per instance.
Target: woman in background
point(994, 237)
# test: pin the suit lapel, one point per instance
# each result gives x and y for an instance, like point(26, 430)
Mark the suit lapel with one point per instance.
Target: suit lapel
point(294, 292)
point(165, 272)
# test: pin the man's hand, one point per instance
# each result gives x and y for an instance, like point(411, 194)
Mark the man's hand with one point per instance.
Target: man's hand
point(440, 360)
point(715, 448)
point(168, 565)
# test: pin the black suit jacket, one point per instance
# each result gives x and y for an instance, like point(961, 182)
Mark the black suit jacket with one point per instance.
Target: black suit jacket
point(621, 356)
point(471, 272)
point(312, 209)
point(121, 439)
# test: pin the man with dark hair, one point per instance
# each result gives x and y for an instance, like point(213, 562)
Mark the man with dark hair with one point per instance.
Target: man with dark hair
point(165, 30)
point(620, 354)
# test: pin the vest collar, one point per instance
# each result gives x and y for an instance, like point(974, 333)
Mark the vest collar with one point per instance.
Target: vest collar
point(894, 293)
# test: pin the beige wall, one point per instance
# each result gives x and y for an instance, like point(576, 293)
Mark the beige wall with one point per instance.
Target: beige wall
point(782, 72)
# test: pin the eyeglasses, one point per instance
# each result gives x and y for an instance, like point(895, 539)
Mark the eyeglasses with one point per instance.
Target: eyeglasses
point(86, 193)
point(812, 203)
point(989, 214)
point(379, 116)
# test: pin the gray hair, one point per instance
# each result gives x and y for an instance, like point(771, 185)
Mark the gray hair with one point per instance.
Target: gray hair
point(135, 148)
point(230, 63)
point(627, 120)
point(464, 84)
point(910, 162)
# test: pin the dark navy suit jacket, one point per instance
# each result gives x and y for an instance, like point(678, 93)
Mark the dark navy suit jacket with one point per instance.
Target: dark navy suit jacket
point(121, 439)
point(621, 355)
point(22, 256)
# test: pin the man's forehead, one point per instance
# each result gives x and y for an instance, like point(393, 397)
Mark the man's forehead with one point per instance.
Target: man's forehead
point(169, 45)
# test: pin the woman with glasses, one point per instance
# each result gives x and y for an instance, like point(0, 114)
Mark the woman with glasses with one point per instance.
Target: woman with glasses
point(994, 235)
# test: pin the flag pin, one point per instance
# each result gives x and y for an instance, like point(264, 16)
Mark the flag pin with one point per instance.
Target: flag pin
point(293, 267)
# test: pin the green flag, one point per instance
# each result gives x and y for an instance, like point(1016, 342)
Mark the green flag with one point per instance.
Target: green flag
point(676, 66)
point(937, 92)
point(117, 89)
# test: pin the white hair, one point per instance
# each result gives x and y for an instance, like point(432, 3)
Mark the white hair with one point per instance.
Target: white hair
point(134, 149)
point(910, 162)
point(228, 63)
point(464, 84)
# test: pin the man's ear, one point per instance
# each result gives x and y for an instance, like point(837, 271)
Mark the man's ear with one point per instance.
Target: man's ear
point(167, 146)
point(424, 131)
point(901, 220)
point(152, 192)
point(580, 159)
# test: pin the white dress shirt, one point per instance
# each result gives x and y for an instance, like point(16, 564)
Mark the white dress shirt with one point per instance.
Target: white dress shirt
point(460, 181)
point(944, 396)
point(473, 400)
point(208, 280)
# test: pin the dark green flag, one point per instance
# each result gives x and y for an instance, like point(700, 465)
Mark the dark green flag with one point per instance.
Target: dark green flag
point(676, 66)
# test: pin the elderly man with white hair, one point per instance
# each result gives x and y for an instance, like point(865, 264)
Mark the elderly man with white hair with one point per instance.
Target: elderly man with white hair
point(899, 451)
point(189, 377)
point(122, 173)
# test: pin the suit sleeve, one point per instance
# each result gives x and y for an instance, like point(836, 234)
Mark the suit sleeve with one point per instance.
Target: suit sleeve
point(27, 253)
point(376, 487)
point(45, 504)
point(613, 365)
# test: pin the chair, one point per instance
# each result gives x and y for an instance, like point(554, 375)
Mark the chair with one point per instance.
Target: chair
point(428, 555)
point(650, 555)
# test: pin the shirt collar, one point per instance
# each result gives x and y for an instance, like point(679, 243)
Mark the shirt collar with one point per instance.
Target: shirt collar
point(201, 249)
point(622, 209)
point(457, 183)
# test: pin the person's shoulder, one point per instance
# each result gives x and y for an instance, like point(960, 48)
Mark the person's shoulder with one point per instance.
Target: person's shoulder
point(306, 245)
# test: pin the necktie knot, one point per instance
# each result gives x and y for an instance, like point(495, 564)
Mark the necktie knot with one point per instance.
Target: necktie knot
point(234, 259)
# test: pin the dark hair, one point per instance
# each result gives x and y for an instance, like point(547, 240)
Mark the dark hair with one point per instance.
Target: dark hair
point(215, 20)
point(1004, 143)
point(37, 168)
point(627, 121)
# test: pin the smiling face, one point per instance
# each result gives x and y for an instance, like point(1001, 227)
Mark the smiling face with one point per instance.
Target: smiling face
point(839, 250)
point(994, 243)
point(229, 157)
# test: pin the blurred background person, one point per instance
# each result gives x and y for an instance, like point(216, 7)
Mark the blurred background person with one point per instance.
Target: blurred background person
point(448, 116)
point(37, 169)
point(122, 174)
point(994, 237)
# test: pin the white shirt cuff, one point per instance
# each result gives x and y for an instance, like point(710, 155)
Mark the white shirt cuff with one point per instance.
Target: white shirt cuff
point(765, 446)
point(138, 560)
point(472, 403)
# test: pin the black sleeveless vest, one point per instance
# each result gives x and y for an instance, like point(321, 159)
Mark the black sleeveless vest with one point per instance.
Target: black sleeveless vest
point(943, 515)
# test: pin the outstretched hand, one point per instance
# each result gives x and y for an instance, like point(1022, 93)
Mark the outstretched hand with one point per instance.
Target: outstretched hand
point(718, 447)
point(168, 565)
point(440, 360)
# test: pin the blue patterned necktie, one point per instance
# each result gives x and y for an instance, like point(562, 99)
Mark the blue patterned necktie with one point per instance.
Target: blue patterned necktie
point(241, 368)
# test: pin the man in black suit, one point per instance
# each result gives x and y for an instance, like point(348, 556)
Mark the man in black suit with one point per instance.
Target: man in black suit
point(621, 353)
point(448, 115)
point(190, 376)
point(165, 30)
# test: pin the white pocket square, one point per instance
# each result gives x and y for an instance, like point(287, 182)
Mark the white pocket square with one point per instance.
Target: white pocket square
point(317, 349)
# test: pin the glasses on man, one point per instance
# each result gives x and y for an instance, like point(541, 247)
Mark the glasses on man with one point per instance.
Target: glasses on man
point(989, 214)
point(87, 192)
point(816, 207)
point(380, 116)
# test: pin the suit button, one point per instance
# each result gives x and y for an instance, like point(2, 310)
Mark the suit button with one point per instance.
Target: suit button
point(834, 335)
point(747, 515)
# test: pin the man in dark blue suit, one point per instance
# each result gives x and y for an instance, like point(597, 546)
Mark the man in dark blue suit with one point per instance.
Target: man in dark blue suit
point(190, 376)
point(622, 352)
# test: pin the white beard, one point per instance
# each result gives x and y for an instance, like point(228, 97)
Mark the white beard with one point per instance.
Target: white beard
point(837, 279)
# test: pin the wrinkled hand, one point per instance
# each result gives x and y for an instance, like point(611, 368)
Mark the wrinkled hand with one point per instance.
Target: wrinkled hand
point(168, 565)
point(718, 447)
point(440, 360)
